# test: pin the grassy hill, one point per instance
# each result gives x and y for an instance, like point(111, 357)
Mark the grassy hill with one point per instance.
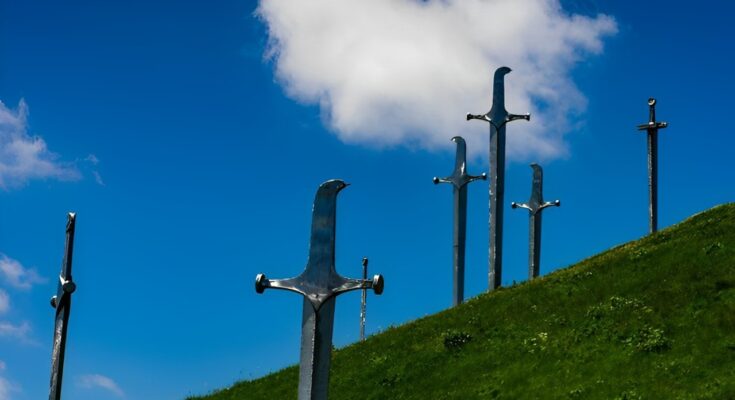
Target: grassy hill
point(651, 319)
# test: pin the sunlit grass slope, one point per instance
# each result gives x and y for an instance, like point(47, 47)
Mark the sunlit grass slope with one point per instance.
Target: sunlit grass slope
point(651, 319)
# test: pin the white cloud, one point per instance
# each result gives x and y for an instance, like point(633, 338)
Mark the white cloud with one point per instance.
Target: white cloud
point(16, 275)
point(24, 157)
point(5, 385)
point(21, 331)
point(92, 381)
point(4, 307)
point(98, 178)
point(5, 388)
point(406, 72)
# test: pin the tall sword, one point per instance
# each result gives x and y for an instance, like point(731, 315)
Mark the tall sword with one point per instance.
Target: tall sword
point(652, 128)
point(535, 205)
point(498, 116)
point(459, 179)
point(320, 284)
point(62, 303)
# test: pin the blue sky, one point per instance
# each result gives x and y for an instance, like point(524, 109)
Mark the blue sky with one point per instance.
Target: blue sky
point(192, 160)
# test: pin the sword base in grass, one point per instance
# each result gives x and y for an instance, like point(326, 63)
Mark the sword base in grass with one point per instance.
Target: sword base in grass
point(459, 180)
point(535, 205)
point(498, 117)
point(320, 284)
point(62, 303)
point(651, 129)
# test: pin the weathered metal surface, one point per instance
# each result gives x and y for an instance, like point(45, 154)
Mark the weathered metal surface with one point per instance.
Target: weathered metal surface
point(363, 300)
point(535, 205)
point(652, 128)
point(319, 283)
point(459, 179)
point(62, 303)
point(498, 117)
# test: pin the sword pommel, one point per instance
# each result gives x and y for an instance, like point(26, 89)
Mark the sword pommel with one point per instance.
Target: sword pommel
point(652, 125)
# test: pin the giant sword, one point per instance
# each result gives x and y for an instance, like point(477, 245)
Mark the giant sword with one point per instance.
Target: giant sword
point(652, 128)
point(535, 205)
point(62, 303)
point(320, 284)
point(459, 179)
point(498, 116)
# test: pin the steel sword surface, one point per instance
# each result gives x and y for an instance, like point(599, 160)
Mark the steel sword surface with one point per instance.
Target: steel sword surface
point(459, 180)
point(62, 303)
point(320, 284)
point(363, 300)
point(652, 128)
point(535, 205)
point(498, 116)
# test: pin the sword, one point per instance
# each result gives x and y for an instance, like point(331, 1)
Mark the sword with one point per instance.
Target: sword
point(62, 303)
point(320, 284)
point(459, 179)
point(535, 205)
point(498, 116)
point(652, 128)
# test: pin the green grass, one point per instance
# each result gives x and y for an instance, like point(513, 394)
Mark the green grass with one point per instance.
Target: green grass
point(651, 319)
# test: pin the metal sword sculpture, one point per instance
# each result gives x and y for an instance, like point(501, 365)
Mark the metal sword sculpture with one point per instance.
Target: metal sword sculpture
point(320, 284)
point(652, 128)
point(363, 300)
point(498, 116)
point(459, 179)
point(62, 303)
point(535, 205)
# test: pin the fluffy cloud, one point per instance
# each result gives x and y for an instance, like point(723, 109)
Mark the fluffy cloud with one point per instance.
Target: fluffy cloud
point(16, 275)
point(4, 307)
point(24, 157)
point(405, 72)
point(92, 381)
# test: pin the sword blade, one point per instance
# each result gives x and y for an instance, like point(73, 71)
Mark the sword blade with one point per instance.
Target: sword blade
point(460, 231)
point(652, 181)
point(59, 348)
point(316, 350)
point(496, 191)
point(534, 244)
point(62, 304)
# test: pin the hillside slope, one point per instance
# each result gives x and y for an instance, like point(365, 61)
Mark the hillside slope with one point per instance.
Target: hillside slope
point(651, 319)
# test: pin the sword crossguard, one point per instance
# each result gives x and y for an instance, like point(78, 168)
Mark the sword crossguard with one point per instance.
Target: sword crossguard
point(498, 116)
point(67, 287)
point(555, 203)
point(513, 117)
point(459, 176)
point(377, 283)
point(652, 124)
point(320, 281)
point(536, 202)
point(483, 117)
